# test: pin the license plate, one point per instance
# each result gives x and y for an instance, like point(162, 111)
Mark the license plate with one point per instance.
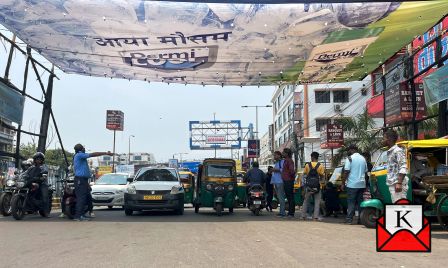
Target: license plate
point(257, 202)
point(101, 197)
point(152, 197)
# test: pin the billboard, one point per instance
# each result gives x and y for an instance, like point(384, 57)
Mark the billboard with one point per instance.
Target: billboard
point(128, 169)
point(11, 103)
point(253, 148)
point(173, 163)
point(399, 103)
point(427, 56)
point(332, 137)
point(216, 134)
point(219, 44)
point(215, 139)
point(104, 170)
point(114, 120)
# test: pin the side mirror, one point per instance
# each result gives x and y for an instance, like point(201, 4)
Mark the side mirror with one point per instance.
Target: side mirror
point(130, 179)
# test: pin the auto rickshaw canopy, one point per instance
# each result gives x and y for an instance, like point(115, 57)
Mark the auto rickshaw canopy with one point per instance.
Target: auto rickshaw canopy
point(430, 143)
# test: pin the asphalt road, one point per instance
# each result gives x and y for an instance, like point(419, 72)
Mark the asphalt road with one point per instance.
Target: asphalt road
point(160, 239)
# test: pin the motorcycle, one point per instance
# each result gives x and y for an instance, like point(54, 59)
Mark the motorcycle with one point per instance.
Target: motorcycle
point(24, 199)
point(257, 199)
point(6, 195)
point(69, 197)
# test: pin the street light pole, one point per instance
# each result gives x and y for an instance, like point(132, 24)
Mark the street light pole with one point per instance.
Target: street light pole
point(129, 151)
point(256, 114)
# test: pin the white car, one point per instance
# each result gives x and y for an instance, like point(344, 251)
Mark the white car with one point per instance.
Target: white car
point(109, 190)
point(155, 188)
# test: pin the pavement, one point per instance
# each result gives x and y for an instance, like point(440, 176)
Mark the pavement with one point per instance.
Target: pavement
point(160, 239)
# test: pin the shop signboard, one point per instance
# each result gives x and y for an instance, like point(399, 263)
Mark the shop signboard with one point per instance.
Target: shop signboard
point(114, 120)
point(332, 137)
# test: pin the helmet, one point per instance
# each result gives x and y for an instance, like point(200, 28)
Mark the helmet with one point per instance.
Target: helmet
point(39, 155)
point(78, 147)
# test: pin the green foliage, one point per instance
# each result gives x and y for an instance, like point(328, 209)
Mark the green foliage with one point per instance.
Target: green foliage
point(358, 130)
point(53, 157)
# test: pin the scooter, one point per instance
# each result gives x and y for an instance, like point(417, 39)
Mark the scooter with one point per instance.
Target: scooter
point(69, 197)
point(257, 199)
point(6, 195)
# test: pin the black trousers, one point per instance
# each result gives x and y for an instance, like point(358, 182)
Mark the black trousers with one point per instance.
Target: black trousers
point(270, 194)
point(289, 192)
point(82, 195)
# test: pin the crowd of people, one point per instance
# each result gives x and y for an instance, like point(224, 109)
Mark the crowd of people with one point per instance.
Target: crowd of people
point(355, 181)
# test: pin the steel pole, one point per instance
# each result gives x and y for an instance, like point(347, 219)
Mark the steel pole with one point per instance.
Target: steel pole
point(129, 151)
point(113, 156)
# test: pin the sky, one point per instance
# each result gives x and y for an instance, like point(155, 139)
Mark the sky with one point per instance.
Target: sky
point(157, 114)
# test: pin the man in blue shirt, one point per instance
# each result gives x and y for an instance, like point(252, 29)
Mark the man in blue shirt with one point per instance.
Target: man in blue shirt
point(355, 169)
point(82, 176)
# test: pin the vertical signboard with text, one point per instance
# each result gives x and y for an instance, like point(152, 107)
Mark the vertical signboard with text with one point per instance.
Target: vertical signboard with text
point(115, 120)
point(399, 103)
point(253, 148)
point(332, 137)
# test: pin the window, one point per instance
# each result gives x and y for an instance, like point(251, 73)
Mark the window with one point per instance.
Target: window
point(106, 158)
point(320, 123)
point(138, 158)
point(219, 171)
point(322, 96)
point(340, 96)
point(278, 102)
point(285, 116)
point(158, 175)
point(280, 141)
point(280, 123)
point(283, 92)
point(285, 136)
point(289, 112)
point(275, 126)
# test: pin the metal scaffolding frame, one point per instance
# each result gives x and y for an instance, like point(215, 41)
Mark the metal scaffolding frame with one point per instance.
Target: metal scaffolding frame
point(47, 92)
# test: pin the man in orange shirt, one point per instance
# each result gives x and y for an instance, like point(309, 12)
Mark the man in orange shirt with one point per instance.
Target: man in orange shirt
point(314, 174)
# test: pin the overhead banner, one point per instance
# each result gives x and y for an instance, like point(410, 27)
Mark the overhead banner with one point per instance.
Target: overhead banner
point(332, 137)
point(11, 103)
point(219, 44)
point(253, 148)
point(436, 86)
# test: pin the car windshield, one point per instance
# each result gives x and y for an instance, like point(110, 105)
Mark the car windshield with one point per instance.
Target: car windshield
point(222, 171)
point(158, 175)
point(381, 162)
point(112, 179)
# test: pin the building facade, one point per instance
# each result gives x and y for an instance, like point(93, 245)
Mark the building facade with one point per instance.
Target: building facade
point(266, 157)
point(301, 112)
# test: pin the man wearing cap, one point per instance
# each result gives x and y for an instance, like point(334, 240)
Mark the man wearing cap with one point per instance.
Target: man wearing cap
point(82, 176)
point(355, 169)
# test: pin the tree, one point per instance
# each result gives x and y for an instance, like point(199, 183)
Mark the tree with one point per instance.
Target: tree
point(28, 150)
point(52, 157)
point(359, 130)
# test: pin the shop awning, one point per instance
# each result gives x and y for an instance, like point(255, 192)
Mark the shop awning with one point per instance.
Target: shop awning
point(219, 44)
point(375, 106)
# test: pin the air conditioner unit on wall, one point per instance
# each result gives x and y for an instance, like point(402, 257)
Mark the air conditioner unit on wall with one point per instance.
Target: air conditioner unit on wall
point(337, 108)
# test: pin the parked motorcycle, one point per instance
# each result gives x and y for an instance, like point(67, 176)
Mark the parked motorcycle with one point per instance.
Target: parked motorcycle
point(6, 195)
point(257, 199)
point(26, 199)
point(69, 197)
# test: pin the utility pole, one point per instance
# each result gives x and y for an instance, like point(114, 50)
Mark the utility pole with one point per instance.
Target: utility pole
point(129, 151)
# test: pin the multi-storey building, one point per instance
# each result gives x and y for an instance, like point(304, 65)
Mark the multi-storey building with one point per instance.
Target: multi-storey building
point(124, 159)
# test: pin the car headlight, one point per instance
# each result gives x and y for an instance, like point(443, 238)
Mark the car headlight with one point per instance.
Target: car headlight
point(10, 183)
point(209, 187)
point(230, 187)
point(131, 189)
point(177, 190)
point(20, 184)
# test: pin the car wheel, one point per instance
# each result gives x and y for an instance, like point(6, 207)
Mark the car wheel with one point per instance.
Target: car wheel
point(219, 209)
point(196, 208)
point(230, 210)
point(110, 207)
point(128, 212)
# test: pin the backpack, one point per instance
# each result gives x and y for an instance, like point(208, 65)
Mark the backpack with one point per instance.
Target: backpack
point(312, 181)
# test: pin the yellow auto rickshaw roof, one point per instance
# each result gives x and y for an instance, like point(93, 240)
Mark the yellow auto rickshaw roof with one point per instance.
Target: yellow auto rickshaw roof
point(430, 143)
point(186, 172)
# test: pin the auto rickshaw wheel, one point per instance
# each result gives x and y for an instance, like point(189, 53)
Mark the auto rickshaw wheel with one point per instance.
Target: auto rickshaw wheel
point(274, 204)
point(230, 210)
point(257, 212)
point(369, 216)
point(219, 209)
point(442, 217)
point(244, 204)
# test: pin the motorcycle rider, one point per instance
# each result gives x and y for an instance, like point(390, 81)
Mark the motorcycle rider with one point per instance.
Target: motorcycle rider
point(34, 178)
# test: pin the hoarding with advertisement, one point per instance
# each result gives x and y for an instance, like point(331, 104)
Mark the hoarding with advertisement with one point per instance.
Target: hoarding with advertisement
point(427, 56)
point(104, 170)
point(332, 137)
point(11, 103)
point(215, 139)
point(128, 169)
point(399, 103)
point(115, 120)
point(253, 148)
point(173, 163)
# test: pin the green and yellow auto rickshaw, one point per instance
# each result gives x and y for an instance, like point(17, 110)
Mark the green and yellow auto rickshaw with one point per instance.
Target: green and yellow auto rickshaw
point(241, 189)
point(216, 185)
point(430, 190)
point(187, 180)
